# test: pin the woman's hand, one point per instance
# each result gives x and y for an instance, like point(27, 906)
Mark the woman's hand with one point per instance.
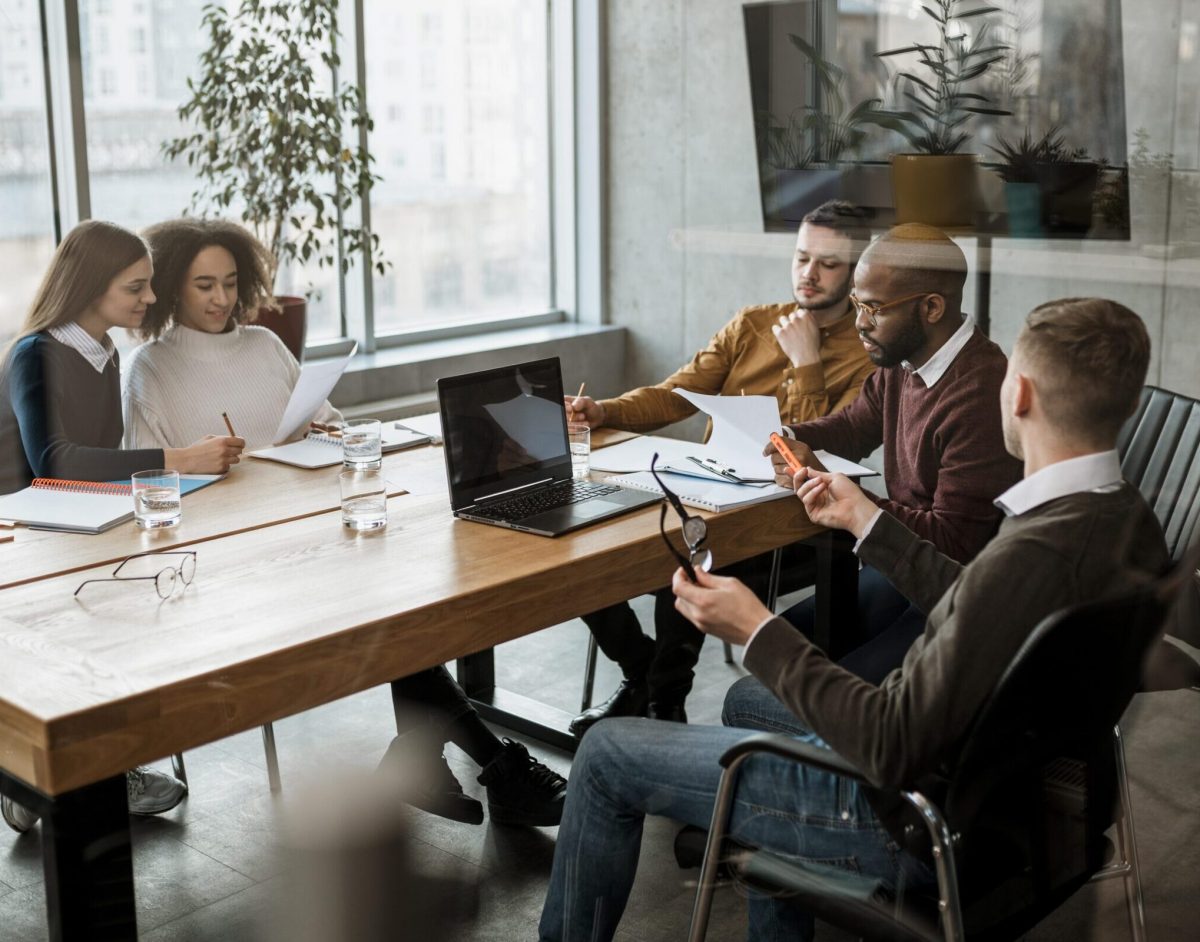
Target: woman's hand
point(213, 454)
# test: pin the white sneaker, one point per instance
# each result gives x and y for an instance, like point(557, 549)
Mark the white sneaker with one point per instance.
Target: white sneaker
point(152, 792)
point(16, 816)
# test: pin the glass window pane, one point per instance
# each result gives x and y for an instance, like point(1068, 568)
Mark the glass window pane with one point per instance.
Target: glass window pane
point(26, 212)
point(137, 57)
point(458, 93)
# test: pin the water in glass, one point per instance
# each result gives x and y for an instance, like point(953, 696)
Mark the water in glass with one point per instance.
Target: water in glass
point(155, 507)
point(362, 445)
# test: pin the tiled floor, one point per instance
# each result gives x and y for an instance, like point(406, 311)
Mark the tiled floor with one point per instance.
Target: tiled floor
point(233, 864)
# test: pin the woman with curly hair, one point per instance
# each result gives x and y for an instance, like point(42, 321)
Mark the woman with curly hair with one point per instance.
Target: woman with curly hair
point(203, 356)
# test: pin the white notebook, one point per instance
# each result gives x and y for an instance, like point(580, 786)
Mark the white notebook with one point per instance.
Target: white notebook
point(76, 506)
point(706, 495)
point(324, 451)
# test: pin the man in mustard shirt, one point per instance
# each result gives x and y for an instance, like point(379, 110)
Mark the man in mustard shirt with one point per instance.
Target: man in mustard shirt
point(808, 355)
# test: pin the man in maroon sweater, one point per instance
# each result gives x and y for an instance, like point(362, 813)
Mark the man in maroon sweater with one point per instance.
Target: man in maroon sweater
point(932, 406)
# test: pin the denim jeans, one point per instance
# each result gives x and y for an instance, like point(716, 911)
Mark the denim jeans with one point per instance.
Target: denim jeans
point(628, 768)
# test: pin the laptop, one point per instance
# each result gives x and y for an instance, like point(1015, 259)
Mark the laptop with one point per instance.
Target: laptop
point(507, 457)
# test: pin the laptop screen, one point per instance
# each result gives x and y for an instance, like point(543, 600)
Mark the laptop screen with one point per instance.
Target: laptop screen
point(503, 428)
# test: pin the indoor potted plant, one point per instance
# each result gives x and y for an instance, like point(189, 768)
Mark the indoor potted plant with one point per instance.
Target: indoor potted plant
point(936, 184)
point(268, 139)
point(1049, 186)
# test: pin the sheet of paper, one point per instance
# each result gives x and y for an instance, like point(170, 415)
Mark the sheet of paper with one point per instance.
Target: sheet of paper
point(430, 423)
point(313, 387)
point(635, 453)
point(836, 465)
point(742, 426)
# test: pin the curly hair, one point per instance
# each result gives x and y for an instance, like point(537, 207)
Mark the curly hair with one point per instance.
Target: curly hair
point(176, 243)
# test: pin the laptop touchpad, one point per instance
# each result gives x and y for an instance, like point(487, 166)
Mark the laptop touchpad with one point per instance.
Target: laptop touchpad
point(594, 508)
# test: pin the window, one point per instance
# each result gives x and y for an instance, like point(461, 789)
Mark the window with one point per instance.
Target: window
point(26, 204)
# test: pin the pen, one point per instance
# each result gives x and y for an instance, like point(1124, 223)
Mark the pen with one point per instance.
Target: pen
point(229, 425)
point(581, 385)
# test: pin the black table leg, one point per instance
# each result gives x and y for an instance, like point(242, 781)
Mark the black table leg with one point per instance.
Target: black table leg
point(477, 675)
point(89, 864)
point(836, 598)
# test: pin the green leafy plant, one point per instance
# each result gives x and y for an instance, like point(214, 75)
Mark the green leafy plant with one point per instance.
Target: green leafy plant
point(1019, 159)
point(268, 134)
point(822, 134)
point(941, 102)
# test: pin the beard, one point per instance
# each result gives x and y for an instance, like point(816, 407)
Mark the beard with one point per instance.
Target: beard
point(901, 348)
point(824, 302)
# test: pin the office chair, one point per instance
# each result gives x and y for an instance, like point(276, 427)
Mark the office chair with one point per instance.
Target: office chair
point(1011, 840)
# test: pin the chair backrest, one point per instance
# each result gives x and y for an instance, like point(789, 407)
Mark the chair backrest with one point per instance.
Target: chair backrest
point(1027, 838)
point(1160, 456)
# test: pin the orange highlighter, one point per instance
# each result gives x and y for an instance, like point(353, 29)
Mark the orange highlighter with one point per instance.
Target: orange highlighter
point(780, 446)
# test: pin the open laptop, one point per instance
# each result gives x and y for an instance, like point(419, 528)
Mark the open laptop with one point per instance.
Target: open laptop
point(507, 457)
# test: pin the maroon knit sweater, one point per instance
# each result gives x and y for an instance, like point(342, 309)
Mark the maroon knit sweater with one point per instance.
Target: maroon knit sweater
point(944, 460)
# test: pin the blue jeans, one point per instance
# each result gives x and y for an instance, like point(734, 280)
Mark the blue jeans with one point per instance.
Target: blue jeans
point(628, 768)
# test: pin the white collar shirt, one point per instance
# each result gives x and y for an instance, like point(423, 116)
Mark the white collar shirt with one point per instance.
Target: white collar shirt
point(935, 367)
point(96, 352)
point(1100, 471)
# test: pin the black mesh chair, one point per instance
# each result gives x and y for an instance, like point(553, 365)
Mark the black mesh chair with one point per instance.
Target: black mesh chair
point(1010, 840)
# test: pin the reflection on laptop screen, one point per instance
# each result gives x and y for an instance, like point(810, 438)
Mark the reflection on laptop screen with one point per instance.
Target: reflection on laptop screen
point(504, 422)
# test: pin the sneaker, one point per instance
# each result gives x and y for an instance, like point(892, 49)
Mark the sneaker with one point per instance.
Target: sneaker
point(428, 783)
point(152, 792)
point(521, 790)
point(16, 816)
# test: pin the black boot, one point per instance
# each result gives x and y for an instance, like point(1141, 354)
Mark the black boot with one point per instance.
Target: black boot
point(521, 790)
point(673, 712)
point(429, 783)
point(629, 699)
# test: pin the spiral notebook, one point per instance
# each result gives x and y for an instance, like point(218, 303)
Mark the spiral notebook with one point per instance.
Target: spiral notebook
point(81, 506)
point(323, 451)
point(706, 495)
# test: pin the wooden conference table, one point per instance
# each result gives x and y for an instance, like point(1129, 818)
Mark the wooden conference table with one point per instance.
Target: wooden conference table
point(288, 610)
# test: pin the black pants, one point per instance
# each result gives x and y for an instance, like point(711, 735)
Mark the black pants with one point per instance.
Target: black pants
point(431, 699)
point(888, 624)
point(667, 661)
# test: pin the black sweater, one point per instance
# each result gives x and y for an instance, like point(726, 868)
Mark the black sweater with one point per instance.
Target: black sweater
point(60, 418)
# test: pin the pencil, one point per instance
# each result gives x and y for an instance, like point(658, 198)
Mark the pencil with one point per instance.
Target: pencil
point(229, 425)
point(581, 385)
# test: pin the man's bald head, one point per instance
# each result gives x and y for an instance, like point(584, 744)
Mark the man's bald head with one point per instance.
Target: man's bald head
point(920, 258)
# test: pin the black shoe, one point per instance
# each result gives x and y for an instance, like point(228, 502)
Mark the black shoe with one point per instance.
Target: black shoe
point(629, 699)
point(521, 790)
point(431, 785)
point(671, 712)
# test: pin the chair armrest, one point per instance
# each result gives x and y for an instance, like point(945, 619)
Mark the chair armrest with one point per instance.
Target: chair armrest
point(786, 747)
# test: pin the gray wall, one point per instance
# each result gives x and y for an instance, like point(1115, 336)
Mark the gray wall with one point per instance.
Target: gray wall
point(685, 242)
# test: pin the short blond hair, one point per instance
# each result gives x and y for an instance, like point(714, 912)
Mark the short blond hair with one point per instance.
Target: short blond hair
point(1088, 358)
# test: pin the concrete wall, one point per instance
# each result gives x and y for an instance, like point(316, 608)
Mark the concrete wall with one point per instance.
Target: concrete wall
point(685, 240)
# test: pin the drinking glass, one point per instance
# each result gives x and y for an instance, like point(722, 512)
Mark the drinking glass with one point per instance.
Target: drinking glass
point(364, 499)
point(362, 444)
point(579, 437)
point(156, 502)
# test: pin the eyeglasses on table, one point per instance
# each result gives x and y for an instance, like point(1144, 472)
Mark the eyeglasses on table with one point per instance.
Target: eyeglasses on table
point(164, 581)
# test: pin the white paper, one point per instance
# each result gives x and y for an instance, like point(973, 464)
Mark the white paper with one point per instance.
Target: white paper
point(835, 465)
point(313, 387)
point(742, 427)
point(430, 423)
point(634, 454)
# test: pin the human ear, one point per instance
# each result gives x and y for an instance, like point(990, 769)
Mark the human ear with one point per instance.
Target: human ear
point(935, 307)
point(1024, 393)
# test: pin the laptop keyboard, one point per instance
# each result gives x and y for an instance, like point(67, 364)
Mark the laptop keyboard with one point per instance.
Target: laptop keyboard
point(549, 498)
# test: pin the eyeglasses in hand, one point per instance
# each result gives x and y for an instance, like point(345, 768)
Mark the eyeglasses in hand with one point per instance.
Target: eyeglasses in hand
point(166, 579)
point(694, 529)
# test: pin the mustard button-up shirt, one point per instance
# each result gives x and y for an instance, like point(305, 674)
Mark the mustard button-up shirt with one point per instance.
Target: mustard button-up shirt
point(744, 356)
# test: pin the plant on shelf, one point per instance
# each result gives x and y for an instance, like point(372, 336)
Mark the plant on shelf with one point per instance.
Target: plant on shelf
point(1050, 186)
point(268, 137)
point(817, 136)
point(941, 103)
point(1019, 159)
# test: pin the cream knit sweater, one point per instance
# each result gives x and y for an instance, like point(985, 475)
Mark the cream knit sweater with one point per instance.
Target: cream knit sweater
point(176, 387)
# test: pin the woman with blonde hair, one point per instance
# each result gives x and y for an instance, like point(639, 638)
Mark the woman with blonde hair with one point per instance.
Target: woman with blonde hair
point(60, 396)
point(204, 357)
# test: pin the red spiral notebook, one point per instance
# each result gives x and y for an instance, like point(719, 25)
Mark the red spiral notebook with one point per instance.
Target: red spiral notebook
point(78, 506)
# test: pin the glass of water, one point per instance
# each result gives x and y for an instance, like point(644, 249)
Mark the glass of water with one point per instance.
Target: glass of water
point(362, 444)
point(156, 502)
point(364, 499)
point(580, 438)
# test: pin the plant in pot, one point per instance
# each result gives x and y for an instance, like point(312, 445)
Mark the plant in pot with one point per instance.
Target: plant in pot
point(801, 155)
point(936, 184)
point(1049, 186)
point(267, 139)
